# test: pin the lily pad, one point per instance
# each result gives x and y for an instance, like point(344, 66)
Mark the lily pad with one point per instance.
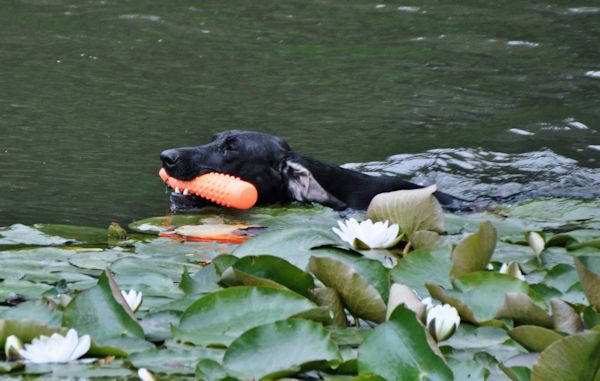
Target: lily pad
point(290, 345)
point(96, 312)
point(251, 270)
point(399, 350)
point(574, 357)
point(328, 297)
point(293, 245)
point(474, 252)
point(420, 267)
point(220, 317)
point(588, 268)
point(412, 210)
point(534, 338)
point(171, 361)
point(478, 296)
point(359, 297)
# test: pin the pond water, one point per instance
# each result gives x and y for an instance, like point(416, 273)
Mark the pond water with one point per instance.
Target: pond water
point(488, 99)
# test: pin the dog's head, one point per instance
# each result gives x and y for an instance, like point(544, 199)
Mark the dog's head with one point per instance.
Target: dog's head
point(261, 159)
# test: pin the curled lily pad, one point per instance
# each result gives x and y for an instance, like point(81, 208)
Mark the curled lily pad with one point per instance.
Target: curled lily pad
point(290, 345)
point(474, 252)
point(565, 318)
point(588, 268)
point(325, 296)
point(574, 357)
point(521, 309)
point(359, 297)
point(534, 338)
point(411, 210)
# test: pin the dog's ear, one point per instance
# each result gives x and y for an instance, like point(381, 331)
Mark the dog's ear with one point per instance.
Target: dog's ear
point(302, 186)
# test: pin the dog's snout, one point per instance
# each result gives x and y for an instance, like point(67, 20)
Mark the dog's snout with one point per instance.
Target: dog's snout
point(169, 157)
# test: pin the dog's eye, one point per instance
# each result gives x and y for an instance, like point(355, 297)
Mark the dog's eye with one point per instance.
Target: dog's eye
point(228, 145)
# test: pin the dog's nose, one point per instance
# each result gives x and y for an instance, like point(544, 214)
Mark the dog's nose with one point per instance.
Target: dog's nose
point(169, 157)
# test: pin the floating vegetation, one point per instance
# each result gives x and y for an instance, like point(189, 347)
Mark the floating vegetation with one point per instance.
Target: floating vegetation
point(509, 294)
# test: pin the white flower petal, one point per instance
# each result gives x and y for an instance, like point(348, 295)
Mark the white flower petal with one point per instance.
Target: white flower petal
point(83, 346)
point(56, 348)
point(145, 375)
point(12, 346)
point(378, 235)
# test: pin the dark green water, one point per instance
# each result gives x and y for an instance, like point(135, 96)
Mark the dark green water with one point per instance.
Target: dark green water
point(92, 91)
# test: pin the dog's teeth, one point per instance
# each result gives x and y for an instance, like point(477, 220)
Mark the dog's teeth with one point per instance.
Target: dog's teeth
point(177, 190)
point(186, 192)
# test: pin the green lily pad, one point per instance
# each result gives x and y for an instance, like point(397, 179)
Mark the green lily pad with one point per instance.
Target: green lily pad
point(474, 252)
point(97, 260)
point(359, 297)
point(33, 310)
point(220, 317)
point(420, 267)
point(412, 210)
point(328, 297)
point(518, 368)
point(86, 235)
point(24, 329)
point(76, 370)
point(472, 337)
point(534, 338)
point(28, 290)
point(157, 325)
point(522, 310)
point(23, 235)
point(290, 345)
point(588, 268)
point(202, 282)
point(251, 270)
point(565, 318)
point(574, 357)
point(399, 350)
point(96, 312)
point(293, 245)
point(174, 360)
point(478, 296)
point(557, 212)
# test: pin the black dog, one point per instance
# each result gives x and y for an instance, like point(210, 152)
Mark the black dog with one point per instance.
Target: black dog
point(280, 174)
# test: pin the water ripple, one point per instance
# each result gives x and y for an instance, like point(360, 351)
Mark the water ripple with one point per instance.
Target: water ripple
point(477, 174)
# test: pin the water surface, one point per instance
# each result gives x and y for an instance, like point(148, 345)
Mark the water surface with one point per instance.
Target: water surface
point(92, 91)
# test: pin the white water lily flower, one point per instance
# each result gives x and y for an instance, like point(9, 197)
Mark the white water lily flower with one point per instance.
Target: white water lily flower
point(376, 235)
point(442, 321)
point(145, 375)
point(536, 242)
point(12, 346)
point(133, 299)
point(512, 269)
point(56, 348)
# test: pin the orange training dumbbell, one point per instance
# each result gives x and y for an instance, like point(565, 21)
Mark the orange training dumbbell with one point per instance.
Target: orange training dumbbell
point(223, 189)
